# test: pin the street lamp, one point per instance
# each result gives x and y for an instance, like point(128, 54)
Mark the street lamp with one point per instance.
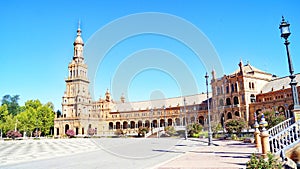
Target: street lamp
point(151, 126)
point(285, 33)
point(185, 135)
point(195, 115)
point(209, 125)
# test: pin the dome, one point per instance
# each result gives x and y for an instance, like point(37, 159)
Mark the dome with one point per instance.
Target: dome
point(78, 39)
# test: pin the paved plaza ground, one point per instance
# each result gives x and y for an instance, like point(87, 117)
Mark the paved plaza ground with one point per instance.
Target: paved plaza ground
point(123, 153)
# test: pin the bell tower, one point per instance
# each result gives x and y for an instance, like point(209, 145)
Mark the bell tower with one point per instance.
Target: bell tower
point(76, 101)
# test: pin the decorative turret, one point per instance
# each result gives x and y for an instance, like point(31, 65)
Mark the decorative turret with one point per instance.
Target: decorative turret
point(122, 98)
point(241, 66)
point(107, 96)
point(213, 74)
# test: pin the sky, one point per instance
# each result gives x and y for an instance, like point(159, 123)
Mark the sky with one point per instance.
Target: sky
point(37, 45)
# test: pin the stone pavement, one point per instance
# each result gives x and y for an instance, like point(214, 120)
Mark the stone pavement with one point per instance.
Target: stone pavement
point(27, 150)
point(125, 153)
point(224, 154)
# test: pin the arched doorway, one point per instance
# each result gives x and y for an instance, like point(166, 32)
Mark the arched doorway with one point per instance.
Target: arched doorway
point(66, 128)
point(125, 125)
point(118, 125)
point(154, 122)
point(147, 123)
point(177, 122)
point(228, 101)
point(110, 125)
point(235, 100)
point(169, 122)
point(132, 124)
point(140, 123)
point(237, 114)
point(229, 115)
point(162, 122)
point(201, 120)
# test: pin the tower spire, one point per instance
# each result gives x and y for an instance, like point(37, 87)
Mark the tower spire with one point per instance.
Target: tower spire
point(78, 29)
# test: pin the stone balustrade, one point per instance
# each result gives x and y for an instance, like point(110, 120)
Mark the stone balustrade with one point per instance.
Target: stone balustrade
point(280, 127)
point(285, 138)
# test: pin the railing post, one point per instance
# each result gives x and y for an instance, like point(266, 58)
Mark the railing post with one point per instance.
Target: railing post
point(256, 134)
point(264, 137)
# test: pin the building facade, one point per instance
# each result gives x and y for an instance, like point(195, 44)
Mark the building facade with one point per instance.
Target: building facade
point(242, 93)
point(232, 94)
point(104, 116)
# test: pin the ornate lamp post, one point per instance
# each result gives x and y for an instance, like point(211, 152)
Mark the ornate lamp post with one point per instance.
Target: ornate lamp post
point(209, 125)
point(195, 115)
point(151, 125)
point(285, 33)
point(164, 107)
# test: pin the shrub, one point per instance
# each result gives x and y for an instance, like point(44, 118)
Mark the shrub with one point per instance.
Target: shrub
point(194, 129)
point(258, 162)
point(70, 133)
point(119, 132)
point(235, 125)
point(13, 134)
point(170, 130)
point(142, 131)
point(91, 131)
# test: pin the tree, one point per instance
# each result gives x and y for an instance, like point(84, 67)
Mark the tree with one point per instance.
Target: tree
point(235, 125)
point(12, 104)
point(9, 123)
point(273, 118)
point(36, 116)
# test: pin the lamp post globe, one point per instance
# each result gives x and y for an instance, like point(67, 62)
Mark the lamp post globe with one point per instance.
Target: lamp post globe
point(284, 28)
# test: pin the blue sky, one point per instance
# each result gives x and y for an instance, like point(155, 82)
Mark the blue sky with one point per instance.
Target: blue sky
point(37, 42)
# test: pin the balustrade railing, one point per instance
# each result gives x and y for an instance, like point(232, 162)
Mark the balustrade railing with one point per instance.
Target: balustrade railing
point(285, 139)
point(280, 127)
